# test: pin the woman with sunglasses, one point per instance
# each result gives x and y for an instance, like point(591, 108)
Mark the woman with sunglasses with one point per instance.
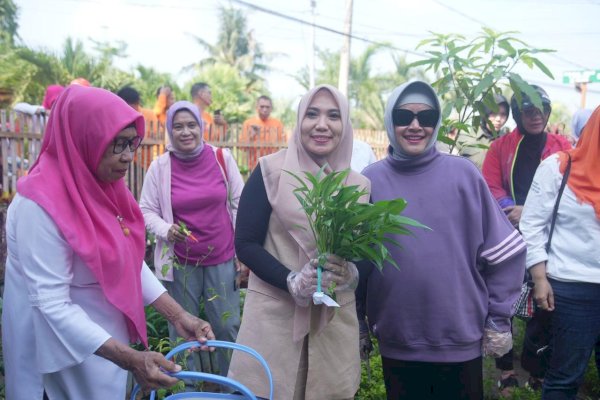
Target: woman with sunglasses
point(76, 283)
point(508, 169)
point(451, 298)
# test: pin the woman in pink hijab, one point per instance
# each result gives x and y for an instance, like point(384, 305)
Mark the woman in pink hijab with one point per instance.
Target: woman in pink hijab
point(274, 240)
point(76, 284)
point(51, 95)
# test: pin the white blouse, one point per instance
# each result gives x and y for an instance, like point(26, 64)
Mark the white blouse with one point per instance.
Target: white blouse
point(575, 248)
point(55, 315)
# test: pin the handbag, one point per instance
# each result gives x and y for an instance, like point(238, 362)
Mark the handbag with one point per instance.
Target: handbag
point(525, 306)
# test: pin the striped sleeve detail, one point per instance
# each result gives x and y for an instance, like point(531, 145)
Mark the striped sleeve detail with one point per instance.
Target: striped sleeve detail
point(513, 244)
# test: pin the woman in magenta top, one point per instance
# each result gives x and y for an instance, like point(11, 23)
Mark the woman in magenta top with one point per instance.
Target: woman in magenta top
point(189, 201)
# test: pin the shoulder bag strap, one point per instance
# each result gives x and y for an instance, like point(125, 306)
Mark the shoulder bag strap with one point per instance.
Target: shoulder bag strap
point(560, 192)
point(221, 161)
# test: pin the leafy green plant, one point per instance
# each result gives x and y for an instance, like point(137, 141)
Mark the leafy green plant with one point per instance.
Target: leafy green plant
point(371, 383)
point(472, 71)
point(345, 226)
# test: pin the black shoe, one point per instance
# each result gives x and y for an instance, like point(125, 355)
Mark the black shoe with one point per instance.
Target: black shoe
point(507, 385)
point(534, 383)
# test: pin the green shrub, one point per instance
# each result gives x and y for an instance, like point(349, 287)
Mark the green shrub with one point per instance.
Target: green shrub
point(372, 388)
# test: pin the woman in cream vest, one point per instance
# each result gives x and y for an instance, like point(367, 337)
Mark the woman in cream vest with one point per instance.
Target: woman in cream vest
point(311, 349)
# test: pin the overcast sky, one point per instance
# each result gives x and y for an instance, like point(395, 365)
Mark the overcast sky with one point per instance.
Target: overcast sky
point(159, 33)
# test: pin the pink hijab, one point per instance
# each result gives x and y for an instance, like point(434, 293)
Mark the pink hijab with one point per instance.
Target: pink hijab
point(52, 93)
point(62, 181)
point(285, 204)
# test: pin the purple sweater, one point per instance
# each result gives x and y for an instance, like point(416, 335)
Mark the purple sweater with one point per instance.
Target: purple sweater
point(467, 268)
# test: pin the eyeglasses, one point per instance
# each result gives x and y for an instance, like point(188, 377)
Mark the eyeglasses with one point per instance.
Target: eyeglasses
point(426, 118)
point(120, 144)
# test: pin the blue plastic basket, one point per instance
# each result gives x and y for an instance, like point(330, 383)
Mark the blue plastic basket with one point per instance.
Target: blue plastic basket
point(203, 376)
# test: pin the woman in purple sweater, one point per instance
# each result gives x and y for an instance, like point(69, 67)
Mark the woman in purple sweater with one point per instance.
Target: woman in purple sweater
point(452, 297)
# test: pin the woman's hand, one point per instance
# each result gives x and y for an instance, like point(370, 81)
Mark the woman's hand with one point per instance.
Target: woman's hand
point(187, 326)
point(175, 235)
point(145, 365)
point(339, 271)
point(543, 294)
point(302, 284)
point(542, 290)
point(495, 343)
point(242, 274)
point(513, 213)
point(146, 368)
point(193, 328)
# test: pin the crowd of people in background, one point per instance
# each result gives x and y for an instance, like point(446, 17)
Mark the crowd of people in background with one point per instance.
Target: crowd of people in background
point(503, 207)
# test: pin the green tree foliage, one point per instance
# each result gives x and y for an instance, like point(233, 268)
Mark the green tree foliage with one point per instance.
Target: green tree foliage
point(367, 90)
point(34, 70)
point(99, 68)
point(283, 109)
point(147, 82)
point(235, 46)
point(231, 70)
point(14, 74)
point(8, 22)
point(103, 72)
point(472, 71)
point(231, 92)
point(28, 72)
point(39, 69)
point(75, 59)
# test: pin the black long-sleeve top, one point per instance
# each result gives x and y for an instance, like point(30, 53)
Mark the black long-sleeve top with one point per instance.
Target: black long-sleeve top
point(254, 212)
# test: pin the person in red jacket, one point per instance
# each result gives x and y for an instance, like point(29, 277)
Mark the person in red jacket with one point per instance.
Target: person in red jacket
point(512, 160)
point(508, 169)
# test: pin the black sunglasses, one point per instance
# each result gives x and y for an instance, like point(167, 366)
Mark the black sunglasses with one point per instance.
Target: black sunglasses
point(119, 145)
point(530, 110)
point(426, 118)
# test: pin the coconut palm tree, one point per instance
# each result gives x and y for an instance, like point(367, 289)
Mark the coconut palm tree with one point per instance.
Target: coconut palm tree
point(367, 90)
point(75, 59)
point(236, 46)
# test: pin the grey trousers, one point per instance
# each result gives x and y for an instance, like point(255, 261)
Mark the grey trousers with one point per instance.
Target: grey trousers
point(212, 290)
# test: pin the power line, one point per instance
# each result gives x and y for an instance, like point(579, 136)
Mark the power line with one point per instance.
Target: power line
point(457, 11)
point(303, 22)
point(377, 28)
point(142, 5)
point(324, 28)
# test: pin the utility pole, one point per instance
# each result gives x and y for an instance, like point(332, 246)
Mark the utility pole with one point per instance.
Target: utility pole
point(345, 53)
point(581, 87)
point(311, 68)
point(582, 79)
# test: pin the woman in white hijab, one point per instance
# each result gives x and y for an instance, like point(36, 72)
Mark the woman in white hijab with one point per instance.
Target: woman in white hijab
point(274, 240)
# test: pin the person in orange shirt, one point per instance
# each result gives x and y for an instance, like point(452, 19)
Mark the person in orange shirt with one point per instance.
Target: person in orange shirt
point(215, 126)
point(164, 99)
point(261, 130)
point(153, 129)
point(80, 82)
point(132, 97)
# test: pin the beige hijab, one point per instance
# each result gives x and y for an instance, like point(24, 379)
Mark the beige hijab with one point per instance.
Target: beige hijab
point(280, 188)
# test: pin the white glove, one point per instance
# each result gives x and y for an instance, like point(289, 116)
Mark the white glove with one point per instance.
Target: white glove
point(302, 284)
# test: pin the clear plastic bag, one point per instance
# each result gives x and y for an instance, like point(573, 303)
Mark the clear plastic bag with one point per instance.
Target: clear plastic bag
point(495, 343)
